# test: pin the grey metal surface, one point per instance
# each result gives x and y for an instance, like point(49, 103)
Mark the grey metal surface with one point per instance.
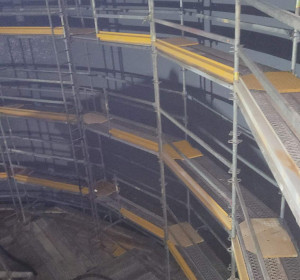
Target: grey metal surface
point(289, 140)
point(291, 267)
point(198, 259)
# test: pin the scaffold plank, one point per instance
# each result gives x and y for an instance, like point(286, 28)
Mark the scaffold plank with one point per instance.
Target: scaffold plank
point(184, 234)
point(180, 260)
point(94, 117)
point(180, 41)
point(26, 113)
point(203, 63)
point(273, 239)
point(240, 262)
point(214, 208)
point(50, 184)
point(284, 82)
point(183, 146)
point(125, 38)
point(157, 231)
point(30, 30)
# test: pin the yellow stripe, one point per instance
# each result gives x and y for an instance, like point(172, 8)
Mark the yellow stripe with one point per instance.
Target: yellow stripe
point(134, 139)
point(199, 192)
point(284, 82)
point(201, 62)
point(50, 184)
point(17, 112)
point(180, 260)
point(236, 76)
point(30, 30)
point(298, 4)
point(183, 146)
point(240, 262)
point(3, 175)
point(143, 223)
point(125, 38)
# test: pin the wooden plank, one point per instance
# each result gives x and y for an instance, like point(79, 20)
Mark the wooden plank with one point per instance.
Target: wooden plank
point(180, 260)
point(184, 234)
point(273, 239)
point(284, 82)
point(180, 41)
point(214, 208)
point(159, 232)
point(94, 117)
point(240, 261)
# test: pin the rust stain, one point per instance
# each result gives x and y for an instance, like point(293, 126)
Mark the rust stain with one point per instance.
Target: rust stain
point(288, 162)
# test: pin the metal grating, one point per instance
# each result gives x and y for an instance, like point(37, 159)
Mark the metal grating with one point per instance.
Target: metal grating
point(289, 140)
point(291, 267)
point(201, 262)
point(275, 269)
point(255, 266)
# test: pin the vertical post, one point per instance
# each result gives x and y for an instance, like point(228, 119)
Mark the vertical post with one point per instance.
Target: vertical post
point(93, 3)
point(282, 207)
point(295, 41)
point(159, 133)
point(183, 70)
point(10, 171)
point(234, 140)
point(188, 205)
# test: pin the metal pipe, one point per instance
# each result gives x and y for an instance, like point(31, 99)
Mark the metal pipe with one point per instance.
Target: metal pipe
point(93, 4)
point(159, 133)
point(282, 207)
point(197, 139)
point(11, 173)
point(246, 25)
point(196, 31)
point(252, 232)
point(235, 140)
point(295, 41)
point(290, 116)
point(240, 158)
point(283, 16)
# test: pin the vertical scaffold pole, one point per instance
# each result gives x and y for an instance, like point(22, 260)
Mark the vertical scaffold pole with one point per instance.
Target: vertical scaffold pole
point(235, 140)
point(10, 172)
point(93, 3)
point(185, 113)
point(295, 40)
point(159, 133)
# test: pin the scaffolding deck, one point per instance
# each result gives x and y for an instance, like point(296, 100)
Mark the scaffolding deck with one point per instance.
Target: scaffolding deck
point(274, 136)
point(44, 115)
point(216, 177)
point(42, 30)
point(148, 221)
point(211, 189)
point(143, 138)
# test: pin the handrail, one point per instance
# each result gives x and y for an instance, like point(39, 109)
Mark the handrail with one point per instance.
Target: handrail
point(283, 16)
point(196, 31)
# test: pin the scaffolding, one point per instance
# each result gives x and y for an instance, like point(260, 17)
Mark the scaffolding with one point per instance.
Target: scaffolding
point(266, 98)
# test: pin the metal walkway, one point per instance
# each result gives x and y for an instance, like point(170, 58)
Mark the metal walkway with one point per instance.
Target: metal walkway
point(190, 257)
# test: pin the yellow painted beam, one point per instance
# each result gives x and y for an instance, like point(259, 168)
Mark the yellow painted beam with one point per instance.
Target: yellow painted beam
point(46, 183)
point(134, 139)
point(125, 38)
point(17, 112)
point(180, 260)
point(30, 30)
point(159, 232)
point(50, 184)
point(284, 82)
point(183, 146)
point(203, 63)
point(3, 175)
point(240, 262)
point(199, 192)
